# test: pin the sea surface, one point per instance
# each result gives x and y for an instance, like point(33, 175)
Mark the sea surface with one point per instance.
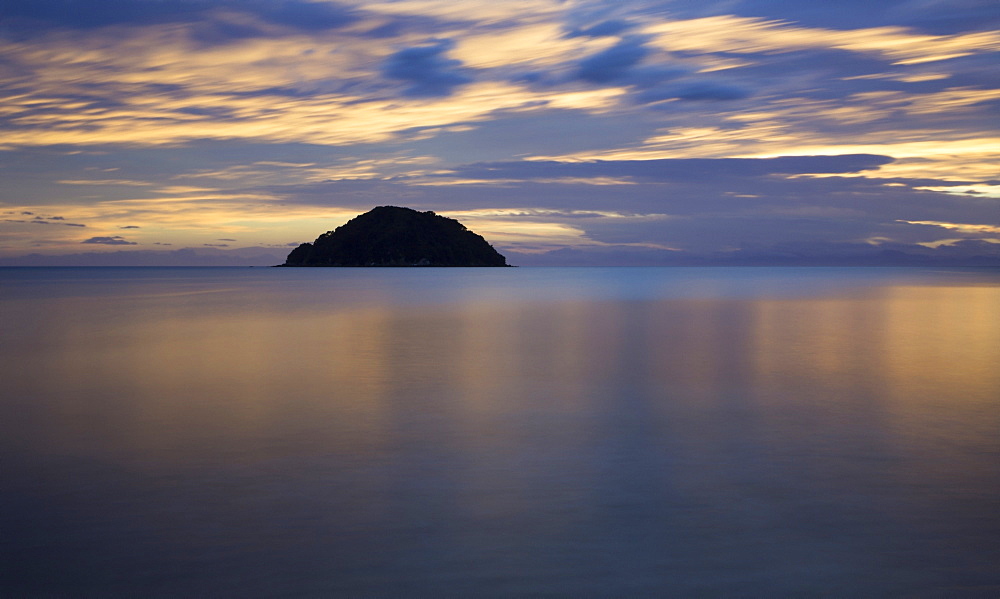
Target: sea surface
point(521, 432)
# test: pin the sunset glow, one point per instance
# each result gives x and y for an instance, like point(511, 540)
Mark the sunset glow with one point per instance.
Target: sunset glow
point(171, 126)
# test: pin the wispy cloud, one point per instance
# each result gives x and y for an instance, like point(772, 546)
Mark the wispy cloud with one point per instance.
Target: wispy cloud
point(958, 227)
point(40, 220)
point(693, 126)
point(110, 240)
point(104, 182)
point(427, 70)
point(746, 35)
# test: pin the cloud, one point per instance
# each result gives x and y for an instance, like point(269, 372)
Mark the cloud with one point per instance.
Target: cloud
point(84, 14)
point(239, 84)
point(427, 69)
point(610, 27)
point(214, 20)
point(759, 122)
point(620, 64)
point(674, 169)
point(932, 16)
point(614, 63)
point(38, 221)
point(743, 35)
point(972, 229)
point(125, 182)
point(694, 206)
point(47, 220)
point(534, 45)
point(647, 76)
point(114, 240)
point(703, 90)
point(306, 16)
point(466, 12)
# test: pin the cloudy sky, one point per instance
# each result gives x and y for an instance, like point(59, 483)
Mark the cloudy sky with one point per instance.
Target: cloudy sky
point(563, 131)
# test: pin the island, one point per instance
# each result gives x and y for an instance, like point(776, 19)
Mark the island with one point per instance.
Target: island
point(396, 236)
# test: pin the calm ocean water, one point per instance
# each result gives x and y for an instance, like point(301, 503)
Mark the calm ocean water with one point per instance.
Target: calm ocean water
point(529, 432)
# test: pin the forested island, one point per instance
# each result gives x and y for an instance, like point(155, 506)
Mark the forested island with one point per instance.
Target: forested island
point(397, 236)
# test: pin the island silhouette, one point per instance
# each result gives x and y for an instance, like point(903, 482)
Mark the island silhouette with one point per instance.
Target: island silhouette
point(397, 236)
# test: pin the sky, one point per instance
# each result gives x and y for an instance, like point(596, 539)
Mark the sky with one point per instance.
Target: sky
point(566, 132)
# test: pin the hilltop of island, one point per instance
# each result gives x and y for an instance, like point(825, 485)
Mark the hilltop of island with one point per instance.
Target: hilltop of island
point(396, 236)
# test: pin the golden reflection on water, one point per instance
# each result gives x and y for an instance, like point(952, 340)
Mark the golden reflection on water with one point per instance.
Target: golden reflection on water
point(943, 341)
point(908, 337)
point(547, 434)
point(164, 369)
point(904, 341)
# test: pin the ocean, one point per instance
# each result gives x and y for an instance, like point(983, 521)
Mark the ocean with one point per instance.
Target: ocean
point(519, 432)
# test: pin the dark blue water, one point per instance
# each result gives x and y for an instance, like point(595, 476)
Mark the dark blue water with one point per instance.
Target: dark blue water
point(534, 432)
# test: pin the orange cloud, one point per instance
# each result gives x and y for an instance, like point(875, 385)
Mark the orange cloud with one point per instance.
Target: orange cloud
point(743, 35)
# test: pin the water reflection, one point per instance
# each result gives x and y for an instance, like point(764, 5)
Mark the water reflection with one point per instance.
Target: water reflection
point(590, 434)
